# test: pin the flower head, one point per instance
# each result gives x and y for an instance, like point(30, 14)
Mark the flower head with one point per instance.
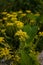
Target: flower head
point(41, 33)
point(37, 14)
point(1, 39)
point(22, 35)
point(28, 11)
point(8, 24)
point(4, 12)
point(20, 12)
point(13, 19)
point(23, 14)
point(19, 24)
point(4, 51)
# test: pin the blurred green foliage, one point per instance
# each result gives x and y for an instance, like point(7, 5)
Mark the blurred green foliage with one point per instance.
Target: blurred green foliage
point(13, 5)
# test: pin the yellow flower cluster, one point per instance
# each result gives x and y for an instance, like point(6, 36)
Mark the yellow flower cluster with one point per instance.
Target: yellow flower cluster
point(1, 39)
point(19, 24)
point(41, 33)
point(23, 14)
point(9, 24)
point(3, 30)
point(9, 15)
point(4, 12)
point(14, 14)
point(13, 19)
point(4, 51)
point(17, 58)
point(20, 12)
point(28, 11)
point(22, 35)
point(37, 14)
point(32, 21)
point(5, 18)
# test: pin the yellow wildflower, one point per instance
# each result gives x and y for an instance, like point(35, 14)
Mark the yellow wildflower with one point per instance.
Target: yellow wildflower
point(5, 51)
point(22, 38)
point(32, 21)
point(1, 39)
point(8, 14)
point(20, 12)
point(14, 19)
point(8, 24)
point(17, 58)
point(28, 11)
point(41, 33)
point(4, 12)
point(19, 24)
point(24, 14)
point(3, 30)
point(14, 16)
point(14, 13)
point(37, 14)
point(4, 18)
point(22, 35)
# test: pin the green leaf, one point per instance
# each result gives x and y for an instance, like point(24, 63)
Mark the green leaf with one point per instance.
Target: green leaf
point(31, 31)
point(24, 58)
point(28, 60)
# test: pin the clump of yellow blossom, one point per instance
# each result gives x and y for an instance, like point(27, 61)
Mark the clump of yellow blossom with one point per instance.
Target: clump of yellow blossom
point(19, 24)
point(13, 19)
point(4, 51)
point(4, 12)
point(14, 13)
point(8, 14)
point(32, 21)
point(23, 14)
point(9, 24)
point(11, 15)
point(37, 14)
point(5, 18)
point(20, 12)
point(41, 33)
point(22, 35)
point(17, 58)
point(3, 30)
point(28, 11)
point(1, 39)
